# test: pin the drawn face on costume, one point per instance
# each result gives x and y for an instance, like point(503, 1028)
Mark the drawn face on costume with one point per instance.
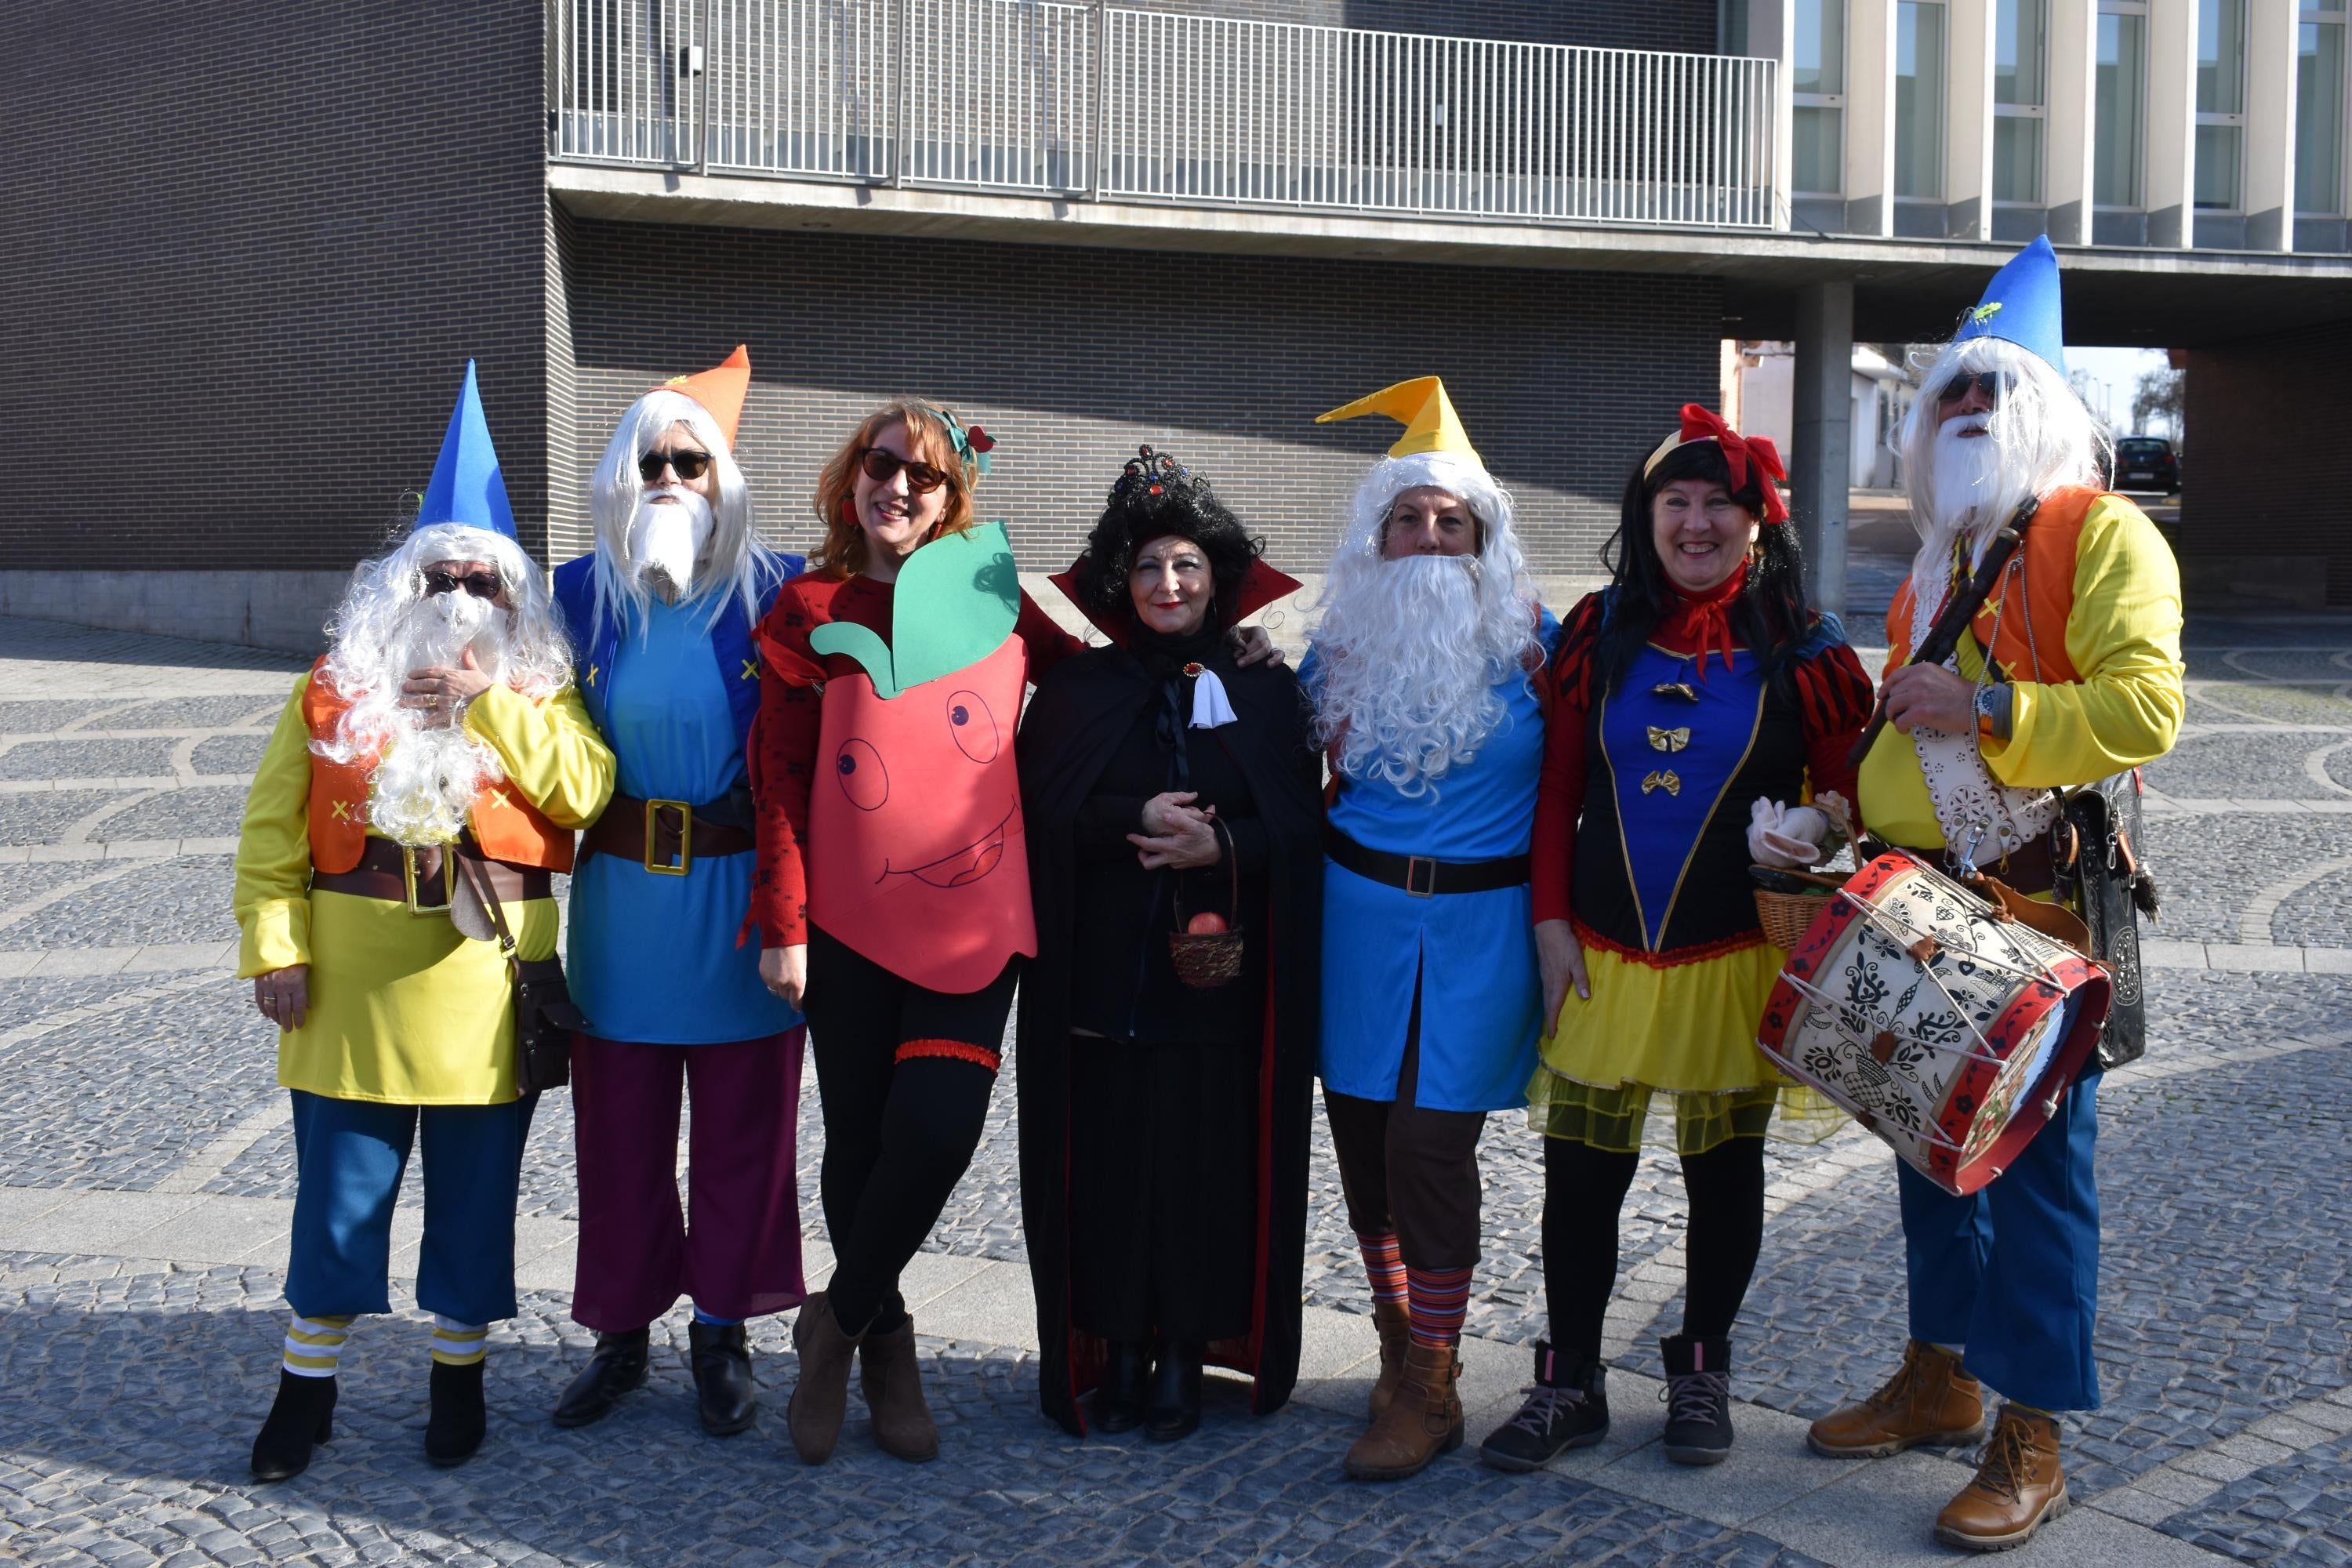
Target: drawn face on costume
point(1428, 519)
point(895, 516)
point(934, 739)
point(1171, 585)
point(1701, 533)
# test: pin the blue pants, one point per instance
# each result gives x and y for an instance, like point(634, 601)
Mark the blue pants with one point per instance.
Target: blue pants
point(2013, 1271)
point(349, 1155)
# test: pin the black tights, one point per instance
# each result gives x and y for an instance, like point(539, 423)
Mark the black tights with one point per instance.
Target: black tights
point(903, 1075)
point(1585, 1187)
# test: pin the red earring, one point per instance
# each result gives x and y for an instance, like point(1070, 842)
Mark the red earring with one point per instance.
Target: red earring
point(849, 510)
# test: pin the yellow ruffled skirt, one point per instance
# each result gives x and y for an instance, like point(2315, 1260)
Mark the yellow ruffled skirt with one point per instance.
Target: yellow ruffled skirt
point(1687, 1032)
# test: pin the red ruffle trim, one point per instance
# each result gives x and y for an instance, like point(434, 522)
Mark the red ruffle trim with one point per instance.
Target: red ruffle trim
point(1673, 959)
point(954, 1050)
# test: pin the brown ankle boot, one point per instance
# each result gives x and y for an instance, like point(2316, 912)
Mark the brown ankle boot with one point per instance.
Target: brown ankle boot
point(1928, 1400)
point(893, 1384)
point(2019, 1487)
point(1395, 1324)
point(1423, 1421)
point(821, 1393)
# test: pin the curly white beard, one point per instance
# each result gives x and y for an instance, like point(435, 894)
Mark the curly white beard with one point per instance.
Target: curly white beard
point(425, 784)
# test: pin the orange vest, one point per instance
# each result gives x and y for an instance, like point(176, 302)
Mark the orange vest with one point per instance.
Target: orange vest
point(2029, 641)
point(507, 825)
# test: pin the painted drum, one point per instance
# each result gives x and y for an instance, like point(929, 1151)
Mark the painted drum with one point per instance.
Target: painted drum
point(1947, 1028)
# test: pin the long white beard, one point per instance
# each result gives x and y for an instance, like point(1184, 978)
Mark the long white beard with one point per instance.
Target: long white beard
point(429, 775)
point(1414, 650)
point(666, 539)
point(1972, 487)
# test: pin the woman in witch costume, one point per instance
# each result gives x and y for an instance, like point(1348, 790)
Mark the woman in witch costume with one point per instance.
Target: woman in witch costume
point(1164, 1122)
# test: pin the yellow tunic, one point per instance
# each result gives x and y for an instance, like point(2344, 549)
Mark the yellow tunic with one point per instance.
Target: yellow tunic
point(402, 1009)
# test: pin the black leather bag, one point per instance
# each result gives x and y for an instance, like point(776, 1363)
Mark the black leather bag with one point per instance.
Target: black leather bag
point(2099, 871)
point(546, 1018)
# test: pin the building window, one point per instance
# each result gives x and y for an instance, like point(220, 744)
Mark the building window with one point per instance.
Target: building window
point(1817, 93)
point(2320, 113)
point(2020, 72)
point(2221, 102)
point(2122, 80)
point(1920, 98)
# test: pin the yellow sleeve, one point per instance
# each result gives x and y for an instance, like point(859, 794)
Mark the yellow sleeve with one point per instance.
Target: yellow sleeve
point(549, 749)
point(2123, 639)
point(273, 850)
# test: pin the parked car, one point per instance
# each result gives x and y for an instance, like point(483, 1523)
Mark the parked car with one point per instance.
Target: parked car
point(2145, 463)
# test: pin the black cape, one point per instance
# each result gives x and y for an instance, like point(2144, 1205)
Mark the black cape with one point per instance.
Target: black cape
point(1080, 713)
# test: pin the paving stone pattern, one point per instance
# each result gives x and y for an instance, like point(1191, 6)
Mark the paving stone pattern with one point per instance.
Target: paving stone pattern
point(2296, 1512)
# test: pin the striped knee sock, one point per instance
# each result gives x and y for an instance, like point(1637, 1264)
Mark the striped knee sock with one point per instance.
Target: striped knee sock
point(1439, 1296)
point(315, 1345)
point(459, 1344)
point(1383, 1265)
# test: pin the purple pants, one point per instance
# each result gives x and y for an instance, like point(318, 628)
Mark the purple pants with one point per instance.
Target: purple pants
point(741, 1256)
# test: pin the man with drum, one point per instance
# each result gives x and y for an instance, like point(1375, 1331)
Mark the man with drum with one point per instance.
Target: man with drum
point(2070, 672)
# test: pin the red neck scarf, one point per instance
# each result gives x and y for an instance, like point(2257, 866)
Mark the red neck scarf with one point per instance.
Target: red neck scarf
point(1701, 623)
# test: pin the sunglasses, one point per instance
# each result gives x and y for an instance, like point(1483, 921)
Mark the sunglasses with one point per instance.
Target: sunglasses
point(481, 584)
point(690, 465)
point(921, 477)
point(1993, 383)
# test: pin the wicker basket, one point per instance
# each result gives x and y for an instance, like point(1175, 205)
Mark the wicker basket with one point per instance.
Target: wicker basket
point(1208, 959)
point(1786, 917)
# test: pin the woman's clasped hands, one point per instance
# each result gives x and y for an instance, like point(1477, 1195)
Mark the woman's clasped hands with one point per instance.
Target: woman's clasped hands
point(1177, 832)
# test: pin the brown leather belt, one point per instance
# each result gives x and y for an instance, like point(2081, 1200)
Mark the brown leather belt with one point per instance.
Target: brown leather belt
point(421, 878)
point(2029, 870)
point(664, 837)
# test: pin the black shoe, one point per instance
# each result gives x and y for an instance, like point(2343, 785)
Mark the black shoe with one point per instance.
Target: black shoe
point(1175, 1401)
point(725, 1388)
point(455, 1428)
point(1697, 1398)
point(302, 1416)
point(1567, 1408)
point(1120, 1396)
point(618, 1366)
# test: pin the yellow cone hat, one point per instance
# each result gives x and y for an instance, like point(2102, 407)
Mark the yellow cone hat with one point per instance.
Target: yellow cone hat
point(1427, 415)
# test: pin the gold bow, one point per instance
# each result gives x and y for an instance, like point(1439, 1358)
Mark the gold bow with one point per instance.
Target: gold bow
point(1665, 781)
point(1669, 740)
point(1680, 690)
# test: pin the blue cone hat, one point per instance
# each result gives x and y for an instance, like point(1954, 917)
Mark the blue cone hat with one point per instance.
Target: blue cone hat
point(467, 488)
point(2020, 306)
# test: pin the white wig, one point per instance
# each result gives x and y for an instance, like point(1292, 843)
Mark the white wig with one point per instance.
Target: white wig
point(1411, 652)
point(732, 563)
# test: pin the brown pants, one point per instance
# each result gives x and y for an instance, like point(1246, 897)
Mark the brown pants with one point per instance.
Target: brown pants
point(1408, 1169)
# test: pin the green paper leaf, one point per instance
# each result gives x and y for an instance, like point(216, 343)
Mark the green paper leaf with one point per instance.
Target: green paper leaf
point(957, 599)
point(860, 644)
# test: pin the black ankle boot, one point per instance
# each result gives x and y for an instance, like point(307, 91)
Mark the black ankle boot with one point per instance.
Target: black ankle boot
point(723, 1384)
point(1567, 1408)
point(1175, 1399)
point(1118, 1398)
point(301, 1416)
point(455, 1428)
point(618, 1366)
point(1698, 1399)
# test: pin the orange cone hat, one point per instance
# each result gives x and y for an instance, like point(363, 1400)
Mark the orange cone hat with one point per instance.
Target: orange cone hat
point(720, 389)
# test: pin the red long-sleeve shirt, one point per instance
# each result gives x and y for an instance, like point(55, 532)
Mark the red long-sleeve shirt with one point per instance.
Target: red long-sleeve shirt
point(784, 738)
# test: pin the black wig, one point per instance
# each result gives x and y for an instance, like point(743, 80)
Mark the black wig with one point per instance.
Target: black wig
point(1155, 497)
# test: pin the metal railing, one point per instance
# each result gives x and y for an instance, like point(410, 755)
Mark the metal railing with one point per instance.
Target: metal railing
point(1092, 100)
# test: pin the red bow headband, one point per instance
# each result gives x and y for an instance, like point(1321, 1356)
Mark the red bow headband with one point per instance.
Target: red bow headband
point(1704, 425)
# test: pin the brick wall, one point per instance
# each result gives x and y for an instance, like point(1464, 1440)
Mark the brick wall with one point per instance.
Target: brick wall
point(1071, 357)
point(2262, 417)
point(246, 252)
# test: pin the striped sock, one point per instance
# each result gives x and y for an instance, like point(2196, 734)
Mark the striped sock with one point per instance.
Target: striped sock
point(459, 1344)
point(1383, 1265)
point(315, 1345)
point(1438, 1298)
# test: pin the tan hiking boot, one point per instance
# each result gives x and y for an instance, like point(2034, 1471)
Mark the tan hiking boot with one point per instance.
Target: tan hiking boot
point(821, 1393)
point(1423, 1421)
point(893, 1383)
point(2018, 1488)
point(1395, 1324)
point(1929, 1400)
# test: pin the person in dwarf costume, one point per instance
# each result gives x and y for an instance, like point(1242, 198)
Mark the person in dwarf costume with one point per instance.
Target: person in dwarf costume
point(2069, 673)
point(1427, 673)
point(662, 615)
point(1166, 1110)
point(441, 723)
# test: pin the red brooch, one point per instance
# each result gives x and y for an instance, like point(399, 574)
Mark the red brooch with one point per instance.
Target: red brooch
point(1192, 670)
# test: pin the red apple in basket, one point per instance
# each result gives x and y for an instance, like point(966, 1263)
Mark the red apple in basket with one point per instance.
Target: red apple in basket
point(1208, 922)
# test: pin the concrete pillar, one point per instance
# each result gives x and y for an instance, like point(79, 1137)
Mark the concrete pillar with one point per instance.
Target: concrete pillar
point(2270, 127)
point(1870, 117)
point(2066, 133)
point(1821, 432)
point(1968, 119)
point(2169, 184)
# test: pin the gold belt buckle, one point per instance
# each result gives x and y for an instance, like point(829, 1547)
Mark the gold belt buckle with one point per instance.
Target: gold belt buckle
point(449, 880)
point(654, 808)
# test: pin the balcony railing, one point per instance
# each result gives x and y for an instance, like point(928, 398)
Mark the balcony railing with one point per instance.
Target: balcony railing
point(1095, 101)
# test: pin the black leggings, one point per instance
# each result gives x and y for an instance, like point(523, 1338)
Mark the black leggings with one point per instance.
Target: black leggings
point(1585, 1187)
point(903, 1075)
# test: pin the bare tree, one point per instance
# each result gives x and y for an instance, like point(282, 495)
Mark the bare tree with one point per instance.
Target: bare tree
point(2162, 394)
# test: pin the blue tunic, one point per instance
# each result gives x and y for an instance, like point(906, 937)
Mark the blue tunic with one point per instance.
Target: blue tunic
point(1473, 954)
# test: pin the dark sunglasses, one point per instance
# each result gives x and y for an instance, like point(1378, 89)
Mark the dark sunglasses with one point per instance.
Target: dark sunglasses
point(481, 584)
point(689, 463)
point(1993, 383)
point(921, 477)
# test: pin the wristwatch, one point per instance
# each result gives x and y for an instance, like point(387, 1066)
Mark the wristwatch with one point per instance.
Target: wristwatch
point(1992, 708)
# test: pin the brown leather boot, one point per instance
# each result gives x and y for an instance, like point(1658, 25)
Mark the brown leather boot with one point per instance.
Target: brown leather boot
point(1395, 1324)
point(893, 1384)
point(1423, 1421)
point(821, 1394)
point(2018, 1489)
point(1928, 1400)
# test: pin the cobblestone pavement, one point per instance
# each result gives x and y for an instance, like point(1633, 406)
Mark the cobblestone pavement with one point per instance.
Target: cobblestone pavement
point(146, 1179)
